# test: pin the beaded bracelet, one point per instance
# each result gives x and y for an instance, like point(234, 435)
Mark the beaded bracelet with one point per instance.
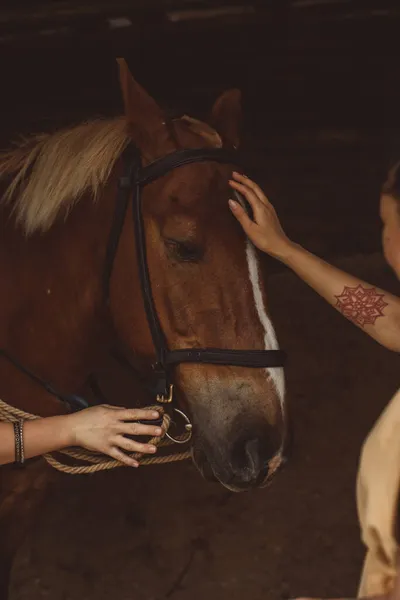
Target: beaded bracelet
point(19, 441)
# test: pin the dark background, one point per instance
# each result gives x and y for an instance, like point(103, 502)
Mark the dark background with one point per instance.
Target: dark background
point(321, 123)
point(319, 82)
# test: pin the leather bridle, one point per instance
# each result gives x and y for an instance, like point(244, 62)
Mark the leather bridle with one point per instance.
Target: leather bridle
point(131, 184)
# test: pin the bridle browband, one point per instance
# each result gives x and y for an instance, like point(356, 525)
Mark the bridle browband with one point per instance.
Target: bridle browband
point(135, 177)
point(130, 185)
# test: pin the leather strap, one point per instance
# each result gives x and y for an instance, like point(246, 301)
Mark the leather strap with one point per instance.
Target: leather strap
point(217, 356)
point(74, 401)
point(180, 158)
point(131, 158)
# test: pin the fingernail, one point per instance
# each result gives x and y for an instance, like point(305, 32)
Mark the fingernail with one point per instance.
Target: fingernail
point(135, 465)
point(233, 204)
point(152, 449)
point(155, 415)
point(158, 431)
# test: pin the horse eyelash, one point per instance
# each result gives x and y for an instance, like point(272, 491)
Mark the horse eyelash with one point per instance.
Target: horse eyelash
point(186, 252)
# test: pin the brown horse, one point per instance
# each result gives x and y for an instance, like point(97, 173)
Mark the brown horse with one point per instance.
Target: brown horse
point(58, 203)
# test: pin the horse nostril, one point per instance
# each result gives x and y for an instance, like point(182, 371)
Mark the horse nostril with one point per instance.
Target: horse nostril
point(254, 462)
point(251, 455)
point(249, 460)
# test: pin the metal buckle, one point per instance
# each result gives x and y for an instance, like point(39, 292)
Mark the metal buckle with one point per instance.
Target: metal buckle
point(166, 400)
point(188, 426)
point(188, 429)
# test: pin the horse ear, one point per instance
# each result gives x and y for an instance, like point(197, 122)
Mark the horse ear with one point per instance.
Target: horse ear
point(145, 118)
point(226, 116)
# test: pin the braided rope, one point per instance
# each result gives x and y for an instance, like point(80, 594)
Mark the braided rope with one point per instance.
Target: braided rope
point(98, 462)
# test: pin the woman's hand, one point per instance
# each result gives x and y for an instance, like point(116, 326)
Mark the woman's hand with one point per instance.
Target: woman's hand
point(103, 429)
point(265, 231)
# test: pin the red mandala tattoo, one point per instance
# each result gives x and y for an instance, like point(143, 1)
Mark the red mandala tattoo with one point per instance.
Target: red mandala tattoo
point(361, 306)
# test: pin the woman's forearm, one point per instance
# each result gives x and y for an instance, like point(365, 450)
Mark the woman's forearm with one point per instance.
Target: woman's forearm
point(98, 428)
point(40, 436)
point(375, 311)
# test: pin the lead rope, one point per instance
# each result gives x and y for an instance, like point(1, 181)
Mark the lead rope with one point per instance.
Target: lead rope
point(98, 462)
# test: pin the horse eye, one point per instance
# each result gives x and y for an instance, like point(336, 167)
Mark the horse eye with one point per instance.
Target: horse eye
point(184, 251)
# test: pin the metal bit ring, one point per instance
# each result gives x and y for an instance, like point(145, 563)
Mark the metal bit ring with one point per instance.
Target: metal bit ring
point(188, 429)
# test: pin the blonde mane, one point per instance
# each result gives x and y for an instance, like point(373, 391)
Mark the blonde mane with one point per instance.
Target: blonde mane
point(51, 172)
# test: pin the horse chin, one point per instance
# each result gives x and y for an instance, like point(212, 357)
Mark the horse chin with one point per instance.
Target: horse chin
point(203, 466)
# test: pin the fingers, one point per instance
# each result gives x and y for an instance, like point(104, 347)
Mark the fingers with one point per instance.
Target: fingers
point(117, 454)
point(256, 204)
point(121, 445)
point(242, 179)
point(132, 446)
point(140, 429)
point(241, 215)
point(137, 414)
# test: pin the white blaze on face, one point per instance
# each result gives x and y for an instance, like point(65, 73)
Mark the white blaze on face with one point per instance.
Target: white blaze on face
point(270, 340)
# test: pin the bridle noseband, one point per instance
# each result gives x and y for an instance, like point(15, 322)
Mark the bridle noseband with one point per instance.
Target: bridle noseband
point(131, 184)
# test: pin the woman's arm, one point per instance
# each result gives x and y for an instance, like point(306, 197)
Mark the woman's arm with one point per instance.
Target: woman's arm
point(375, 311)
point(100, 428)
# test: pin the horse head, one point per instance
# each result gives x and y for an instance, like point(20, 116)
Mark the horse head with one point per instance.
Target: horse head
point(208, 291)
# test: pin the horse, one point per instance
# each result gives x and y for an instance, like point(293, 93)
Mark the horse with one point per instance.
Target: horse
point(57, 208)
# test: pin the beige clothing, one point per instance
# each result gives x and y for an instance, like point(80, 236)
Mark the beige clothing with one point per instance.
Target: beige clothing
point(378, 487)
